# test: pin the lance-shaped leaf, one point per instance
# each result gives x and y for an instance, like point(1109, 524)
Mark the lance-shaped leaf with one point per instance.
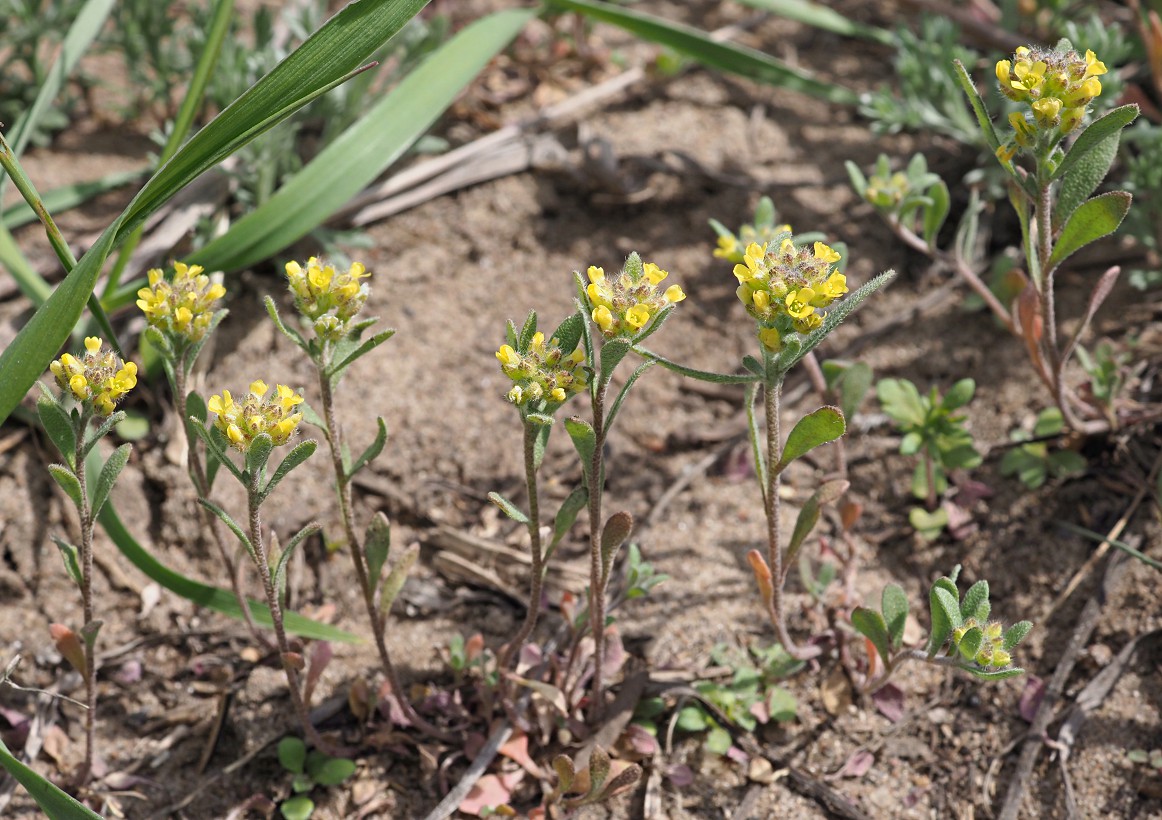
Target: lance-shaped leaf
point(959, 394)
point(1096, 297)
point(286, 330)
point(65, 479)
point(69, 556)
point(1083, 179)
point(1097, 132)
point(298, 454)
point(1016, 633)
point(259, 453)
point(995, 674)
point(752, 426)
point(368, 345)
point(655, 324)
point(376, 546)
point(970, 642)
point(217, 448)
point(584, 439)
point(762, 574)
point(226, 519)
point(945, 612)
point(568, 333)
point(857, 177)
point(108, 476)
point(809, 516)
point(525, 337)
point(700, 375)
point(508, 508)
point(870, 624)
point(563, 766)
point(616, 530)
point(101, 431)
point(976, 602)
point(397, 577)
point(373, 450)
point(59, 427)
point(291, 545)
point(1092, 220)
point(616, 406)
point(894, 604)
point(52, 801)
point(987, 129)
point(612, 352)
point(937, 211)
point(567, 514)
point(814, 429)
point(69, 644)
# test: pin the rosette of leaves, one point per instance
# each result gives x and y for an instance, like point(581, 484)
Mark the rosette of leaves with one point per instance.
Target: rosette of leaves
point(310, 769)
point(1034, 461)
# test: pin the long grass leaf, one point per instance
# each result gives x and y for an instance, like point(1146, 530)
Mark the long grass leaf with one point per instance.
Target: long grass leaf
point(822, 17)
point(325, 59)
point(698, 45)
point(366, 149)
point(52, 801)
point(57, 200)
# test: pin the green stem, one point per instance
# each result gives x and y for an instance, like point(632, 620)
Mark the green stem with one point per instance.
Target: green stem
point(771, 394)
point(197, 472)
point(262, 563)
point(367, 585)
point(596, 572)
point(536, 579)
point(85, 513)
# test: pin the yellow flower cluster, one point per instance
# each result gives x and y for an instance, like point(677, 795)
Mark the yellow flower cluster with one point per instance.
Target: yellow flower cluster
point(732, 248)
point(542, 372)
point(98, 376)
point(1056, 85)
point(624, 304)
point(991, 651)
point(328, 298)
point(790, 282)
point(260, 412)
point(183, 307)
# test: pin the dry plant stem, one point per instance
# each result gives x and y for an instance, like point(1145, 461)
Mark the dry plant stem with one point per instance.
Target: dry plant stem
point(262, 562)
point(596, 574)
point(907, 655)
point(962, 268)
point(771, 393)
point(537, 571)
point(197, 472)
point(359, 559)
point(85, 512)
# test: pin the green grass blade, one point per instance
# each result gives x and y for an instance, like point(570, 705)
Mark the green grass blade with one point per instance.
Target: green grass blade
point(52, 801)
point(34, 288)
point(65, 197)
point(698, 45)
point(365, 150)
point(325, 59)
point(81, 34)
point(819, 16)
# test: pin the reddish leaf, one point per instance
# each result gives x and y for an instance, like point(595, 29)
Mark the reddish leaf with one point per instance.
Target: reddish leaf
point(857, 765)
point(1031, 697)
point(640, 741)
point(68, 643)
point(517, 750)
point(680, 775)
point(762, 574)
point(889, 700)
point(491, 791)
point(473, 647)
point(321, 655)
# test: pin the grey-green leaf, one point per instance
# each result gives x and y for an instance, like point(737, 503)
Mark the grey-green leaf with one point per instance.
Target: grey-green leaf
point(584, 439)
point(970, 642)
point(298, 454)
point(870, 624)
point(59, 427)
point(373, 450)
point(1095, 133)
point(108, 476)
point(376, 546)
point(1016, 633)
point(288, 551)
point(69, 556)
point(67, 481)
point(824, 425)
point(292, 754)
point(975, 599)
point(945, 612)
point(809, 515)
point(1092, 220)
point(397, 577)
point(1087, 174)
point(508, 508)
point(894, 604)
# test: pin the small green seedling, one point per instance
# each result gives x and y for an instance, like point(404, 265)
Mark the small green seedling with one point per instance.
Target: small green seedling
point(962, 636)
point(1151, 759)
point(310, 769)
point(931, 429)
point(751, 697)
point(1034, 462)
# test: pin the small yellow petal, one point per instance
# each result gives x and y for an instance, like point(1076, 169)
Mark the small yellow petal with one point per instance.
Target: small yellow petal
point(92, 344)
point(674, 294)
point(258, 388)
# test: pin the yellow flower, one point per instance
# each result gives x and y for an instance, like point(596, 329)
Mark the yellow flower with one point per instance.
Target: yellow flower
point(258, 388)
point(727, 247)
point(825, 253)
point(674, 294)
point(1093, 66)
point(637, 316)
point(603, 317)
point(1046, 111)
point(832, 289)
point(99, 378)
point(184, 307)
point(805, 324)
point(557, 394)
point(515, 394)
point(799, 303)
point(92, 344)
point(771, 339)
point(328, 298)
point(654, 273)
point(596, 274)
point(761, 301)
point(263, 411)
point(508, 357)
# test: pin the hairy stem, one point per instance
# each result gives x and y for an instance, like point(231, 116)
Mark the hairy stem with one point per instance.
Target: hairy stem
point(596, 571)
point(367, 584)
point(85, 513)
point(262, 563)
point(536, 552)
point(210, 523)
point(771, 394)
